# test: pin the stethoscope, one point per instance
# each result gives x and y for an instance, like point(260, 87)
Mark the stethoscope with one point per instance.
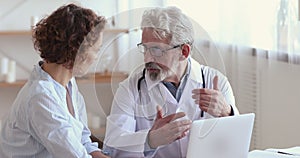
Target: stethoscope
point(164, 106)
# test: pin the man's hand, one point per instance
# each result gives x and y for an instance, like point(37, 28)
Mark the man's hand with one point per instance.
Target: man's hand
point(211, 100)
point(98, 154)
point(166, 130)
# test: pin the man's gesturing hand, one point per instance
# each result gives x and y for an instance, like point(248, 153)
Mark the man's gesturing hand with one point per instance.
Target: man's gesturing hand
point(212, 101)
point(166, 130)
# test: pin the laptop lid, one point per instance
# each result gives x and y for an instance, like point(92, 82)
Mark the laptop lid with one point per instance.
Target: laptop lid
point(224, 137)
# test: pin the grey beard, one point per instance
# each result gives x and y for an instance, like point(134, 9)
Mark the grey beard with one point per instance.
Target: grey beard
point(154, 76)
point(158, 76)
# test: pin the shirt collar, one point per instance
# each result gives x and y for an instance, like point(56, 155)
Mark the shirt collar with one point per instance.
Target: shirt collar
point(186, 75)
point(188, 70)
point(195, 73)
point(40, 74)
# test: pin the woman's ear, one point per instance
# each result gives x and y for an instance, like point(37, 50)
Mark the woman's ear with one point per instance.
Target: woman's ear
point(185, 51)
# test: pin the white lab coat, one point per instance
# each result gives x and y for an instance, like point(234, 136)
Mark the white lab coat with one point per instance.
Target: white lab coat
point(133, 112)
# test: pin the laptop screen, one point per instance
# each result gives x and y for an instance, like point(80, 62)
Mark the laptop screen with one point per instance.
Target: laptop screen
point(224, 137)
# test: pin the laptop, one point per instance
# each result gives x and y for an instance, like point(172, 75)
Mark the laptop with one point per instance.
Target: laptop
point(224, 137)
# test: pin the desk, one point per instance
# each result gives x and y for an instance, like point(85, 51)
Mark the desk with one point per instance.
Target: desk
point(293, 152)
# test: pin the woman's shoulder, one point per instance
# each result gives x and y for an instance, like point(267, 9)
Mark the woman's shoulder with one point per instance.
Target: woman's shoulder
point(42, 87)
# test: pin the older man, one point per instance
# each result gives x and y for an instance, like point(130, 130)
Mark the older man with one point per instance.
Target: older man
point(153, 109)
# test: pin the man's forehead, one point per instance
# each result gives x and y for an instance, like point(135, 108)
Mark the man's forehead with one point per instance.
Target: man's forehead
point(149, 35)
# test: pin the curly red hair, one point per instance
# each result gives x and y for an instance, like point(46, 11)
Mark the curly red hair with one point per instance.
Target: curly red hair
point(59, 36)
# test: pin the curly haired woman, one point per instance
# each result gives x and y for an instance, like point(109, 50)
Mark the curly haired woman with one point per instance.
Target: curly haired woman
point(48, 117)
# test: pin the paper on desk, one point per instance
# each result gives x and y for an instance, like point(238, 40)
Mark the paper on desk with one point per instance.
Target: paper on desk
point(292, 150)
point(268, 154)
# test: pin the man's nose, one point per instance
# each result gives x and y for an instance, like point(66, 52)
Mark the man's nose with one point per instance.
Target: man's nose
point(148, 57)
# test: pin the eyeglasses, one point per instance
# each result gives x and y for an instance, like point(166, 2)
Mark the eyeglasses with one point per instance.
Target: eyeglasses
point(154, 51)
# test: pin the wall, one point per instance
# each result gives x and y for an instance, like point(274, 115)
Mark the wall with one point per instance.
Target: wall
point(17, 14)
point(267, 87)
point(280, 104)
point(271, 89)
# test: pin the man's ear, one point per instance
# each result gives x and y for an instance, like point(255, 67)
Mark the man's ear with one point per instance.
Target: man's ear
point(185, 51)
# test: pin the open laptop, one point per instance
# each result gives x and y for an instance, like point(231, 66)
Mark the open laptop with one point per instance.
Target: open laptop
point(224, 137)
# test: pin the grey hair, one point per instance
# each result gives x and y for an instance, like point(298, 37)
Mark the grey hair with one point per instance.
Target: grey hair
point(170, 23)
